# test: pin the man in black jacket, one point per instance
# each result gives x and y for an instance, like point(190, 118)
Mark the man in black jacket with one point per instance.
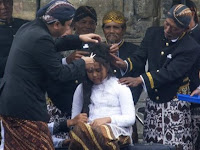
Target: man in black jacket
point(194, 32)
point(33, 57)
point(8, 29)
point(61, 93)
point(171, 54)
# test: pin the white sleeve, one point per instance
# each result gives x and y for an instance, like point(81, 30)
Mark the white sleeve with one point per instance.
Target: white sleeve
point(77, 103)
point(50, 126)
point(57, 142)
point(127, 118)
point(64, 62)
point(143, 85)
point(122, 71)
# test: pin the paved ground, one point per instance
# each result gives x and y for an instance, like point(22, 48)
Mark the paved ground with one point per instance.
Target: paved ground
point(140, 104)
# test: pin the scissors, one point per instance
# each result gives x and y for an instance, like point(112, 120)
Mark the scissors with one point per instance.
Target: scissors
point(92, 55)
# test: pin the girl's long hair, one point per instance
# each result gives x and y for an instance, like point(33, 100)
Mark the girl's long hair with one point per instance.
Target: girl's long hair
point(104, 58)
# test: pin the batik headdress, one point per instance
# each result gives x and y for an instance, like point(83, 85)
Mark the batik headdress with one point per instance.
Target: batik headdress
point(181, 15)
point(115, 16)
point(56, 10)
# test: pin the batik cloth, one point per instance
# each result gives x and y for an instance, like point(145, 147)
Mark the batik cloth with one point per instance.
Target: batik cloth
point(169, 123)
point(86, 137)
point(196, 127)
point(20, 134)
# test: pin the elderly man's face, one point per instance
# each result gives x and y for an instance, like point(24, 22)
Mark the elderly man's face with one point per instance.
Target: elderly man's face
point(6, 9)
point(113, 32)
point(171, 30)
point(85, 26)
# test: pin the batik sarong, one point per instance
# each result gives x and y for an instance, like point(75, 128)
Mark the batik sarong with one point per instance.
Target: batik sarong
point(86, 137)
point(196, 127)
point(169, 123)
point(20, 134)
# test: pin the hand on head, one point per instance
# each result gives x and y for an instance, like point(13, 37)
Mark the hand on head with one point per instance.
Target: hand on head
point(88, 60)
point(76, 55)
point(90, 38)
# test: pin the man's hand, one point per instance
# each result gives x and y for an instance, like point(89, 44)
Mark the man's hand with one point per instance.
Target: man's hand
point(130, 81)
point(88, 60)
point(79, 118)
point(196, 92)
point(93, 38)
point(118, 62)
point(114, 48)
point(76, 55)
point(100, 121)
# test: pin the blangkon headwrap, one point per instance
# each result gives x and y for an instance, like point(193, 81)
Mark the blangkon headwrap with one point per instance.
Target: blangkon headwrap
point(115, 16)
point(181, 15)
point(56, 10)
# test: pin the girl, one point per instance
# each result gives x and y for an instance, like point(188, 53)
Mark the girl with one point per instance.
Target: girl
point(109, 106)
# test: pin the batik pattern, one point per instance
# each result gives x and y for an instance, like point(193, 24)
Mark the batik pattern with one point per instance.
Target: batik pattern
point(86, 137)
point(26, 135)
point(168, 123)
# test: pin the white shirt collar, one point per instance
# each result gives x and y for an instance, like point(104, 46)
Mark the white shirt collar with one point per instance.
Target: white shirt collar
point(194, 27)
point(174, 40)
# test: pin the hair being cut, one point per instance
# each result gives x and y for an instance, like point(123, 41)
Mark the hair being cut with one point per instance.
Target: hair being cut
point(104, 58)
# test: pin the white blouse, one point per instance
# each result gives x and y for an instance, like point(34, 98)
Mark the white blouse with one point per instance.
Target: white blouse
point(109, 99)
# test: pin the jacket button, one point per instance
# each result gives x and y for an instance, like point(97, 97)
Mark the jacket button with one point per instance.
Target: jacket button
point(115, 71)
point(157, 70)
point(76, 81)
point(162, 53)
point(157, 97)
point(156, 90)
point(167, 44)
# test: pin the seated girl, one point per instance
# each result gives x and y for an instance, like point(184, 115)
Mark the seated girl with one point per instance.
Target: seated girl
point(109, 105)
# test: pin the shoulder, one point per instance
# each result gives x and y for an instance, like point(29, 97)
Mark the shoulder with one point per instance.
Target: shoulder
point(155, 30)
point(154, 34)
point(127, 49)
point(79, 87)
point(36, 30)
point(116, 85)
point(20, 21)
point(17, 23)
point(189, 43)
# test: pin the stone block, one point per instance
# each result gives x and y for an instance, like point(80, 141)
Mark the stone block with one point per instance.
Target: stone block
point(138, 28)
point(165, 6)
point(144, 8)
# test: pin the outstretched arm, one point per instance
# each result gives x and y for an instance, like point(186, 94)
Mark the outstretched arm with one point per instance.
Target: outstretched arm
point(71, 42)
point(90, 38)
point(196, 92)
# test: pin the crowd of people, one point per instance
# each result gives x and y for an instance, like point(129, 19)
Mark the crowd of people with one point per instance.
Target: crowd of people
point(61, 86)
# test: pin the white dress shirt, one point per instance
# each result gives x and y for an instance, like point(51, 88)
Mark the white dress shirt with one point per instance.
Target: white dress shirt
point(109, 99)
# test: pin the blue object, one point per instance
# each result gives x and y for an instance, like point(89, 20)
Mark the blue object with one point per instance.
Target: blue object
point(193, 99)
